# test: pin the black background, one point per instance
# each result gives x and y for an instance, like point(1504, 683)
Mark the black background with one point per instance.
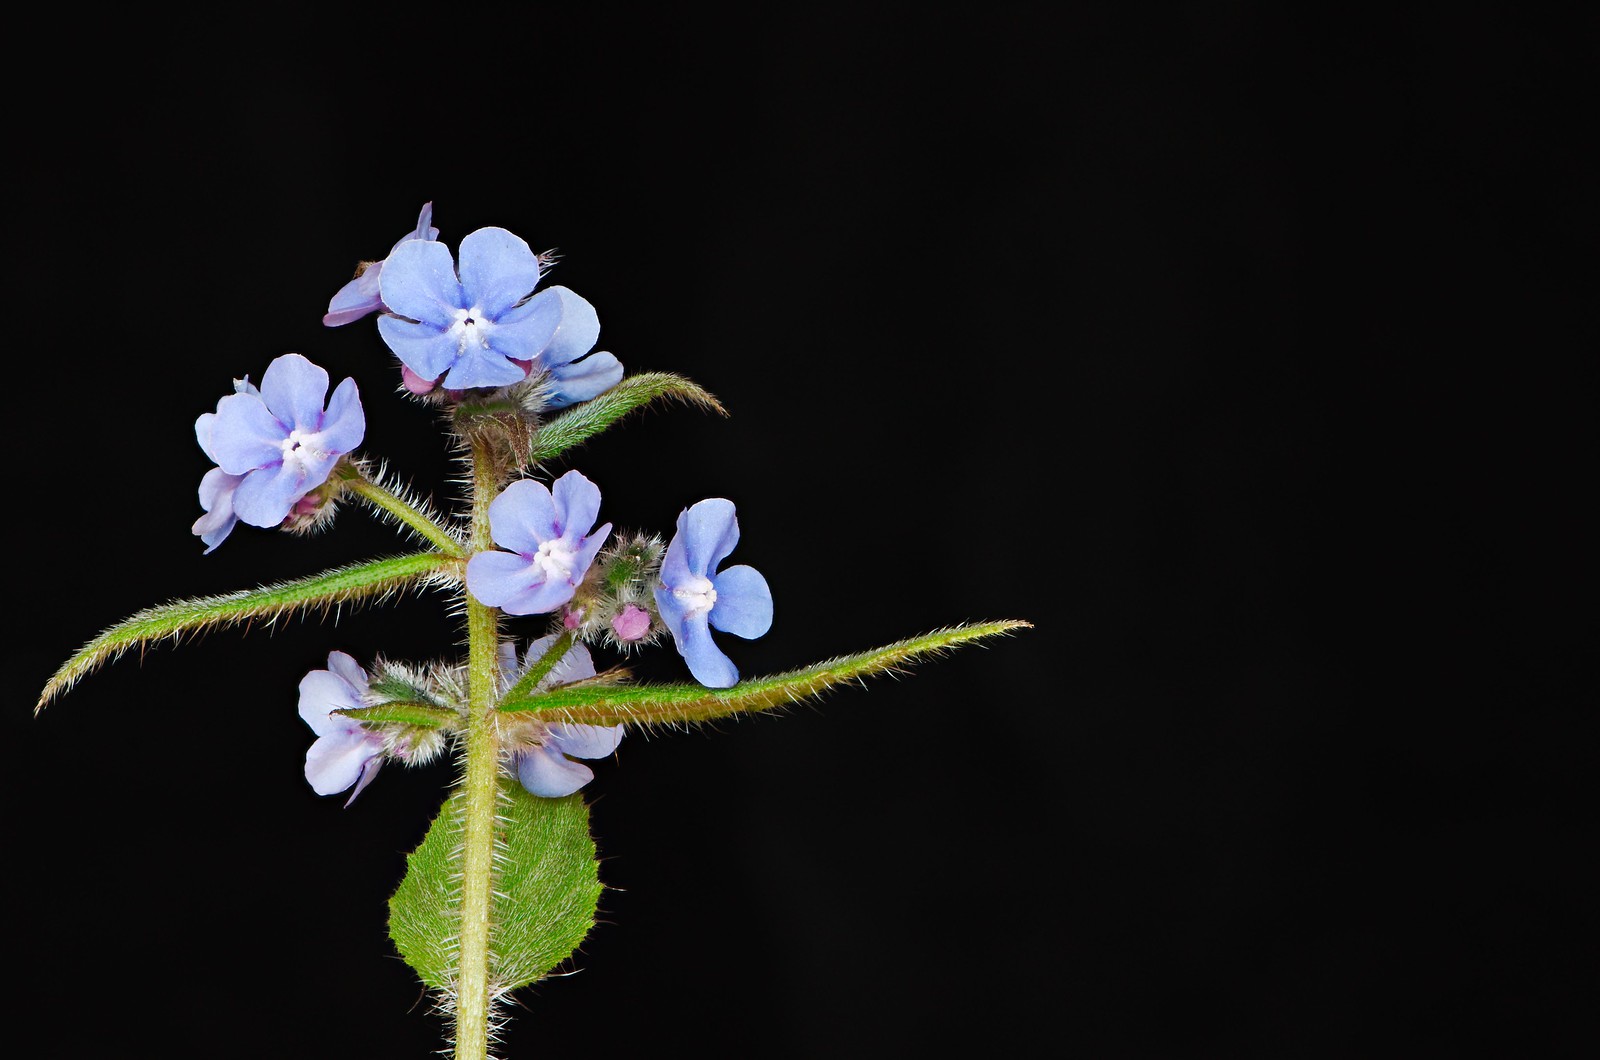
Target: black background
point(1243, 354)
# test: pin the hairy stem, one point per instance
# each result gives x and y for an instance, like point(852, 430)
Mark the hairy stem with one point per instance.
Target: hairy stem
point(481, 792)
point(396, 506)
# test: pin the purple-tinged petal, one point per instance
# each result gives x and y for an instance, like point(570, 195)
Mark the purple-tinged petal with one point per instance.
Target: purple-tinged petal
point(476, 366)
point(493, 578)
point(523, 517)
point(419, 281)
point(498, 270)
point(523, 333)
point(588, 548)
point(344, 666)
point(369, 772)
point(582, 380)
point(355, 299)
point(324, 691)
point(336, 761)
point(345, 422)
point(203, 427)
point(585, 741)
point(423, 348)
point(540, 598)
point(424, 229)
point(216, 497)
point(577, 504)
point(578, 331)
point(244, 435)
point(744, 603)
point(706, 661)
point(294, 390)
point(710, 531)
point(266, 496)
point(548, 773)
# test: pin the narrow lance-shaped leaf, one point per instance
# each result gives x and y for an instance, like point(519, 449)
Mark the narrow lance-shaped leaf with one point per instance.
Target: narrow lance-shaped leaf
point(172, 621)
point(546, 887)
point(418, 715)
point(589, 418)
point(668, 704)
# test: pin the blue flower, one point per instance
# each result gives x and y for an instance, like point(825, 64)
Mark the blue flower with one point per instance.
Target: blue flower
point(273, 445)
point(476, 327)
point(544, 767)
point(694, 596)
point(345, 752)
point(551, 543)
point(361, 296)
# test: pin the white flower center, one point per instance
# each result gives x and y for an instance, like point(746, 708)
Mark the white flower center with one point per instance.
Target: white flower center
point(556, 559)
point(697, 595)
point(300, 446)
point(471, 329)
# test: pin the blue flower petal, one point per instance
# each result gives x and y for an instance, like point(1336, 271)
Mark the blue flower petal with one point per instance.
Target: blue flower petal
point(345, 423)
point(337, 761)
point(423, 348)
point(578, 331)
point(744, 603)
point(216, 497)
point(478, 367)
point(294, 390)
point(244, 435)
point(710, 531)
point(498, 270)
point(524, 333)
point(706, 661)
point(266, 496)
point(582, 380)
point(577, 504)
point(419, 281)
point(493, 578)
point(585, 741)
point(355, 299)
point(524, 516)
point(548, 773)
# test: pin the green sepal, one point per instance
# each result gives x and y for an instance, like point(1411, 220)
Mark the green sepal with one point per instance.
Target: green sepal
point(669, 704)
point(546, 886)
point(172, 621)
point(416, 715)
point(588, 418)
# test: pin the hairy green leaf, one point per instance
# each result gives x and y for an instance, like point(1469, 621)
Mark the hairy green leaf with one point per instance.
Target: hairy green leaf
point(668, 704)
point(589, 418)
point(419, 715)
point(173, 621)
point(546, 886)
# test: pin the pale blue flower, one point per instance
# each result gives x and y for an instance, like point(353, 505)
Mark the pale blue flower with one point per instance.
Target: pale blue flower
point(472, 327)
point(545, 768)
point(274, 445)
point(550, 541)
point(361, 295)
point(569, 378)
point(345, 753)
point(694, 596)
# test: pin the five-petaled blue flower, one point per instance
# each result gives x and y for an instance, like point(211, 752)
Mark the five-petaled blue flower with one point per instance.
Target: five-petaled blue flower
point(361, 296)
point(545, 768)
point(552, 546)
point(273, 445)
point(694, 596)
point(345, 752)
point(472, 327)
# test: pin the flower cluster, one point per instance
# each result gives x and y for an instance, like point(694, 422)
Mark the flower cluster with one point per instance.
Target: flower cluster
point(474, 324)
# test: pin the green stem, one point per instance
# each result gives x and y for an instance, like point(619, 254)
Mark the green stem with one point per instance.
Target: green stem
point(529, 681)
point(394, 505)
point(481, 787)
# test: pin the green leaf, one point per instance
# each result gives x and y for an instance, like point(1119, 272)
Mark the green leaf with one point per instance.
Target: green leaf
point(546, 886)
point(666, 704)
point(418, 715)
point(589, 418)
point(175, 620)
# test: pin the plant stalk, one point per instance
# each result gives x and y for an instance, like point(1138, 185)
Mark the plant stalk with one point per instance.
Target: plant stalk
point(481, 787)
